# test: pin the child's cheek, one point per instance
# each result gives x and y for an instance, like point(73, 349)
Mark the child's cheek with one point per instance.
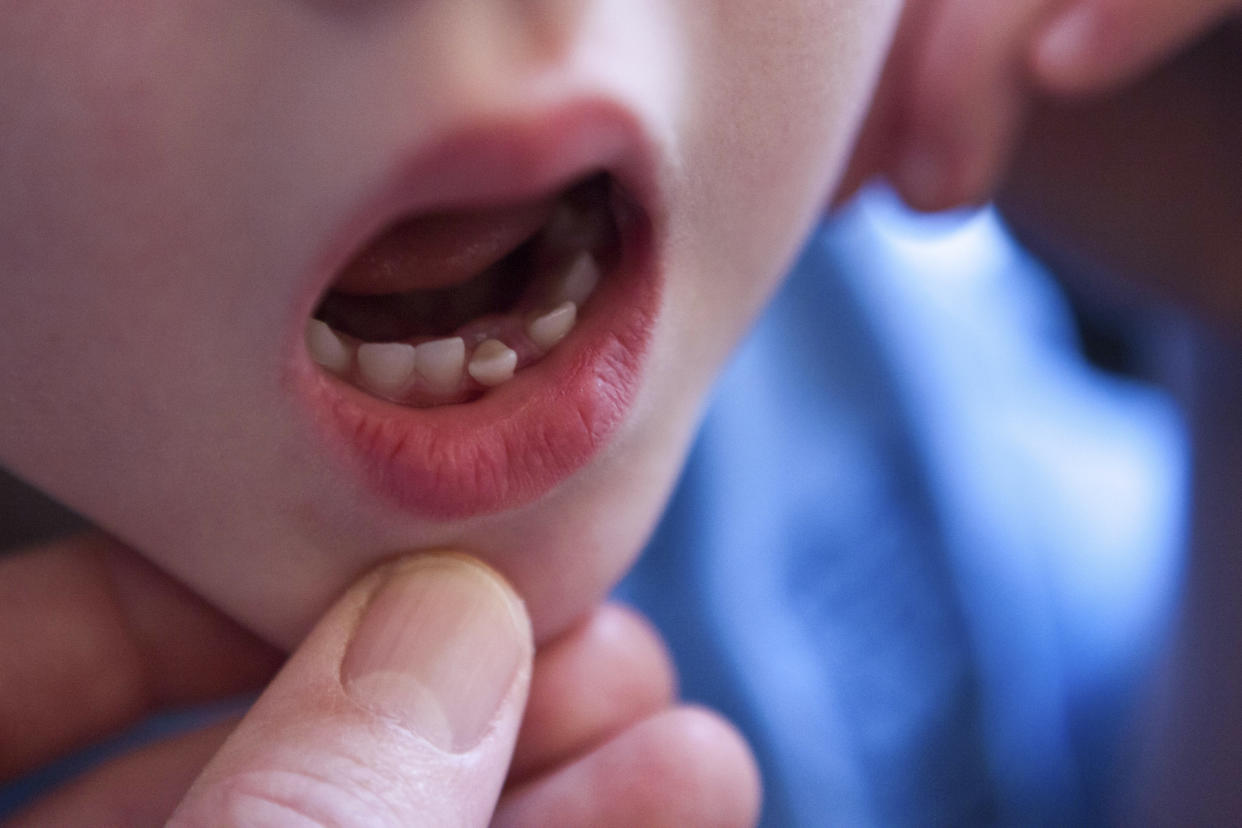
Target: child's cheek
point(776, 102)
point(163, 169)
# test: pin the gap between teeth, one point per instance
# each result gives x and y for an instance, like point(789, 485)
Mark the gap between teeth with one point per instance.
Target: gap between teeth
point(453, 369)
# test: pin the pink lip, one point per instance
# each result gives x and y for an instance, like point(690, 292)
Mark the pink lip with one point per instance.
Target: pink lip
point(521, 439)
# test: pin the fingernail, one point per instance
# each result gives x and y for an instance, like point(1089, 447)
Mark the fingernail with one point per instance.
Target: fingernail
point(437, 649)
point(1066, 42)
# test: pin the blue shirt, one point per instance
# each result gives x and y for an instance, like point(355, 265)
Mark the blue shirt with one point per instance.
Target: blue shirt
point(922, 553)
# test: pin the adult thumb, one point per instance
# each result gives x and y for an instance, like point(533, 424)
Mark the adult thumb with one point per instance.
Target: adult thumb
point(400, 708)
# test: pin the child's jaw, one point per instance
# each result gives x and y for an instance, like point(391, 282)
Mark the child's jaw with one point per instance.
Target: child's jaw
point(180, 169)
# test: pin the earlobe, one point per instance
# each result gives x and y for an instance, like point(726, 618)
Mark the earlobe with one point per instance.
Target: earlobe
point(876, 145)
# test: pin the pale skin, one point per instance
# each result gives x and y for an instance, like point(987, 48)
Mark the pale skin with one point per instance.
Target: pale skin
point(782, 142)
point(189, 204)
point(172, 171)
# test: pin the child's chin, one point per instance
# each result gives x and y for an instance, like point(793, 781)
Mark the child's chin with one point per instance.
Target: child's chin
point(565, 553)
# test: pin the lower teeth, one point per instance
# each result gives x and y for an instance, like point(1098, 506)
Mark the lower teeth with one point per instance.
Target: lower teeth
point(446, 370)
point(488, 352)
point(493, 363)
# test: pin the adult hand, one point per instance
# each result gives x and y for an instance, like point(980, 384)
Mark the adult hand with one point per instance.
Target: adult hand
point(402, 706)
point(1107, 128)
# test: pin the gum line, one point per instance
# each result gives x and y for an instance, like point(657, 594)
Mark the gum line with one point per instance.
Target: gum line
point(487, 351)
point(425, 371)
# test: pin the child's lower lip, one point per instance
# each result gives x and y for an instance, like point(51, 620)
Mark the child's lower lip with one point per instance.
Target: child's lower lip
point(518, 440)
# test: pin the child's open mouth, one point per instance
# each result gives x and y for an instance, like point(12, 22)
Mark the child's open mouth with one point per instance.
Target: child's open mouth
point(472, 356)
point(441, 307)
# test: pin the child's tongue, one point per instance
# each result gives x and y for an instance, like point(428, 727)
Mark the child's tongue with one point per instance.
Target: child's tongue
point(440, 250)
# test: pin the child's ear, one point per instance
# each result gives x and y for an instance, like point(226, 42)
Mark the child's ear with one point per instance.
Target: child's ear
point(876, 145)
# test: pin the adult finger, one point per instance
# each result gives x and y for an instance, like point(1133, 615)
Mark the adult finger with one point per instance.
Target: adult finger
point(609, 672)
point(93, 637)
point(685, 766)
point(1091, 45)
point(606, 674)
point(400, 708)
point(135, 790)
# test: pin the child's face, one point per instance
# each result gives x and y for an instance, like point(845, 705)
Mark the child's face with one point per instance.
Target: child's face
point(185, 180)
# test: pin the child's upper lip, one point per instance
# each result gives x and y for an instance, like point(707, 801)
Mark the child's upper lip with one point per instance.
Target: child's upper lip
point(522, 159)
point(518, 441)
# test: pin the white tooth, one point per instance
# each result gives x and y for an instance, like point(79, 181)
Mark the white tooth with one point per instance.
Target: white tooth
point(549, 329)
point(441, 362)
point(578, 281)
point(326, 348)
point(385, 367)
point(493, 363)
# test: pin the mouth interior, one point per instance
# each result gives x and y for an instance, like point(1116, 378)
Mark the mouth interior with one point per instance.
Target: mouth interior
point(440, 307)
point(439, 312)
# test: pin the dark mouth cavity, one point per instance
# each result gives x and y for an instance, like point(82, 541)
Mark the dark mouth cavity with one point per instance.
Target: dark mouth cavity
point(477, 267)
